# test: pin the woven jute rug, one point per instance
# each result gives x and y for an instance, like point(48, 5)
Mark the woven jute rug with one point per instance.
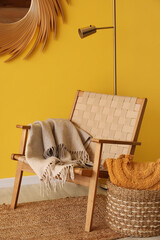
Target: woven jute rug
point(61, 219)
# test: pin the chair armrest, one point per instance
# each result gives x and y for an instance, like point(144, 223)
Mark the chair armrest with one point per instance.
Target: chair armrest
point(96, 140)
point(23, 126)
point(15, 156)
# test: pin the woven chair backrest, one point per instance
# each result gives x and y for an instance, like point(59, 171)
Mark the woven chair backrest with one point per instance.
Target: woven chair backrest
point(109, 117)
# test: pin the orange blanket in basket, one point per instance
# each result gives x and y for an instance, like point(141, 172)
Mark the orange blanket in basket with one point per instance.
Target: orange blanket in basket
point(124, 172)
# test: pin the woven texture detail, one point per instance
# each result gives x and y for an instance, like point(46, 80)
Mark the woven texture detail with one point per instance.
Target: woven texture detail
point(107, 117)
point(133, 212)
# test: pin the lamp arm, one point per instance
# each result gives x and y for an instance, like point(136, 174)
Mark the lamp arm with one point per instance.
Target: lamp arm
point(104, 27)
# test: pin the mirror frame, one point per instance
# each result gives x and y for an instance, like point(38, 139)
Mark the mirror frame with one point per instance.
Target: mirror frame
point(42, 17)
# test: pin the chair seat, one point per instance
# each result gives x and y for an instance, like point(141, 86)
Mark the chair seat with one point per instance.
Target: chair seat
point(79, 171)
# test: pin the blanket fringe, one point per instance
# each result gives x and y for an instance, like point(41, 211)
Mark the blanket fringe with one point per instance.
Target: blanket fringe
point(49, 181)
point(61, 150)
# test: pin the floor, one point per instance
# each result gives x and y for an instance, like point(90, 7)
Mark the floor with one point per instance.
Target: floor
point(30, 193)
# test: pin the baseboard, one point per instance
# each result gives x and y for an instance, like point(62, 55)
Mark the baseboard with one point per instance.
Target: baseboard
point(26, 180)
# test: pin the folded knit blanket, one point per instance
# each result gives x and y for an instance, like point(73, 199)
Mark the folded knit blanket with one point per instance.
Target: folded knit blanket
point(124, 172)
point(53, 148)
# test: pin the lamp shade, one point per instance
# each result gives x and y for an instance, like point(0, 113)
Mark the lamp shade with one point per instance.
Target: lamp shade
point(84, 32)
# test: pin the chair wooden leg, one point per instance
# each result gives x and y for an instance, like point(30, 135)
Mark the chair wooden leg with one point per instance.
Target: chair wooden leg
point(93, 188)
point(17, 185)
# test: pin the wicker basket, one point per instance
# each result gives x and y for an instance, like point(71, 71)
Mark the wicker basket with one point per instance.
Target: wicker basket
point(133, 213)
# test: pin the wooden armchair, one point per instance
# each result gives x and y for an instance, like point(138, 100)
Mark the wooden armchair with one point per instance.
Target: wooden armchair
point(114, 121)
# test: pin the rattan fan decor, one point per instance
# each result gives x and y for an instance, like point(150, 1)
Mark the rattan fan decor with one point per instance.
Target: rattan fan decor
point(42, 17)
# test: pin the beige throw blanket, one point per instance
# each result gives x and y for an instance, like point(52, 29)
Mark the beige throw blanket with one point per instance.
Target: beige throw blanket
point(53, 148)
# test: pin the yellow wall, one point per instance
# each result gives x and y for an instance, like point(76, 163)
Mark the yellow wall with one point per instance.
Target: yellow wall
point(45, 85)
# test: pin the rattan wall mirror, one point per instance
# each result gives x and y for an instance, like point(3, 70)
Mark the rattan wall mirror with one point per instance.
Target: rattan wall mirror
point(23, 20)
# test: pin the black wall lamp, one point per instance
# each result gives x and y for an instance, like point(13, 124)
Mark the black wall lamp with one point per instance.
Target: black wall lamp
point(86, 31)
